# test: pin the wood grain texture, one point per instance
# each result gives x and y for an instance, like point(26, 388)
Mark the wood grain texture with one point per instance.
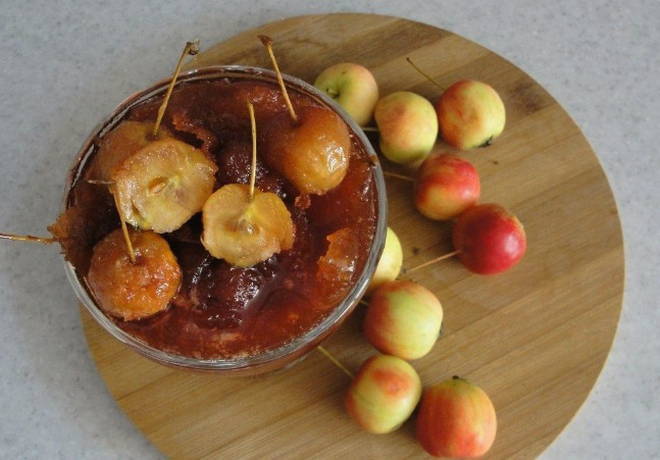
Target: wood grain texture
point(535, 338)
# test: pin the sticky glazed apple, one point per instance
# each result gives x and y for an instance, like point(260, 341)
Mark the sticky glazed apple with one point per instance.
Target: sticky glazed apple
point(220, 293)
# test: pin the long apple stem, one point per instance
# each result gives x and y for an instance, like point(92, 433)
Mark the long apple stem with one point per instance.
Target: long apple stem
point(398, 176)
point(253, 166)
point(268, 43)
point(191, 48)
point(431, 262)
point(335, 361)
point(372, 129)
point(29, 238)
point(124, 228)
point(427, 76)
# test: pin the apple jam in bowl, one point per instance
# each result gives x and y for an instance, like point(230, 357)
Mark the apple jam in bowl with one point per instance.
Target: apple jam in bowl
point(253, 314)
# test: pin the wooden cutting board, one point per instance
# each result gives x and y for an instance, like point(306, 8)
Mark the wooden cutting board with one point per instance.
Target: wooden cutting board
point(535, 338)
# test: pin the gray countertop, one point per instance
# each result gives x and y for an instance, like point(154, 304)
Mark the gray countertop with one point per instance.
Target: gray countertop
point(66, 64)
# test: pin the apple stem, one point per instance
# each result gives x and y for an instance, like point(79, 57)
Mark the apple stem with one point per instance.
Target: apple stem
point(253, 166)
point(29, 238)
point(124, 228)
point(398, 176)
point(431, 262)
point(373, 129)
point(335, 361)
point(191, 48)
point(427, 76)
point(268, 43)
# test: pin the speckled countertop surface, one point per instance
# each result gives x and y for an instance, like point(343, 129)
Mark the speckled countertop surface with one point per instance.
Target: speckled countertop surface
point(66, 64)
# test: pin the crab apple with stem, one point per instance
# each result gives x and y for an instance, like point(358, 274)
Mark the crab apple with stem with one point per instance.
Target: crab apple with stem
point(489, 239)
point(310, 147)
point(470, 113)
point(244, 225)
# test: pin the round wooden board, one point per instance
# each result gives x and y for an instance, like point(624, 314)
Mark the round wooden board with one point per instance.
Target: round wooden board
point(535, 338)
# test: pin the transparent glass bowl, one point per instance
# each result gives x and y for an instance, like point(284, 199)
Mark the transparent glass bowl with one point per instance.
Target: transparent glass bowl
point(268, 360)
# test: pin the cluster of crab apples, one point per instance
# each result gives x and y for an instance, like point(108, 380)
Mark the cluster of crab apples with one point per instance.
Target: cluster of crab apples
point(403, 318)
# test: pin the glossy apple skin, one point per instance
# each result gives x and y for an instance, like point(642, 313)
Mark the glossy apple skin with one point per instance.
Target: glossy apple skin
point(383, 394)
point(489, 239)
point(456, 419)
point(446, 186)
point(403, 319)
point(313, 153)
point(389, 265)
point(353, 86)
point(408, 127)
point(470, 114)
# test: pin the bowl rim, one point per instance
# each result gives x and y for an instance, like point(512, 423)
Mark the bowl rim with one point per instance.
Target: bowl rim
point(302, 343)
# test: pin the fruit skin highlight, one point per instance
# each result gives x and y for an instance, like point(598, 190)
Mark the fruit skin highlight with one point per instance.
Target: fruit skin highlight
point(383, 394)
point(389, 264)
point(470, 114)
point(353, 86)
point(489, 239)
point(403, 319)
point(446, 186)
point(408, 127)
point(456, 419)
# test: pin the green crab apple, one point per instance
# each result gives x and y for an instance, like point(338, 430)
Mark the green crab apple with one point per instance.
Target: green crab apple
point(353, 86)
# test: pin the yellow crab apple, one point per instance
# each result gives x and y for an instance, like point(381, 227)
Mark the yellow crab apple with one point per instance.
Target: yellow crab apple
point(389, 264)
point(383, 394)
point(353, 86)
point(408, 127)
point(403, 319)
point(470, 114)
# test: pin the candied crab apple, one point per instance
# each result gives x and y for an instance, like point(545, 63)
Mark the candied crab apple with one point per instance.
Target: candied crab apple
point(128, 290)
point(244, 230)
point(313, 152)
point(120, 143)
point(163, 185)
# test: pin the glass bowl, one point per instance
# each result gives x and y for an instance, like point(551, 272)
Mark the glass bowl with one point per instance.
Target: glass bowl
point(268, 360)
